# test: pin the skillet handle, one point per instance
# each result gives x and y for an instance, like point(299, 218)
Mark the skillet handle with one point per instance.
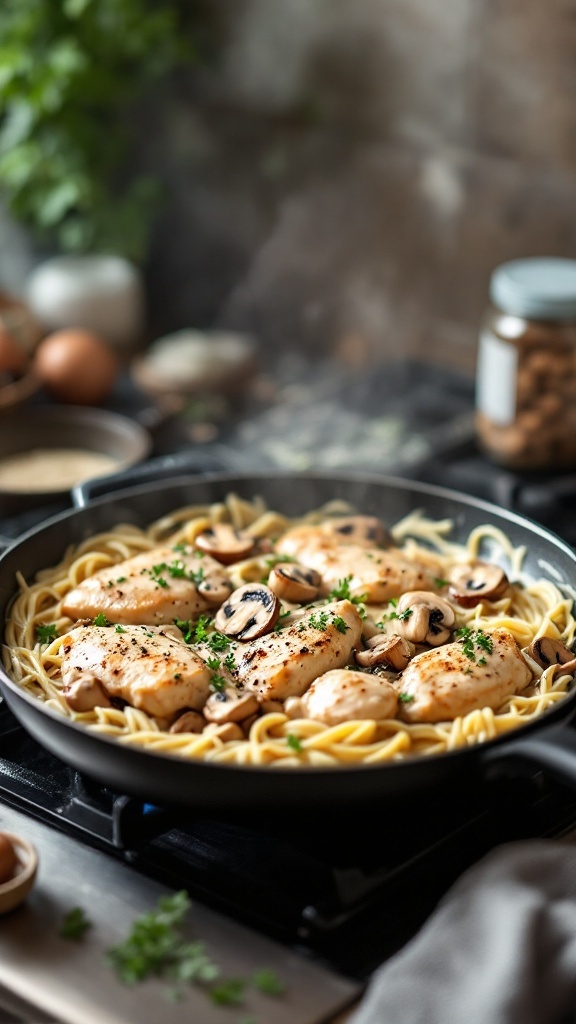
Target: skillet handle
point(151, 471)
point(552, 751)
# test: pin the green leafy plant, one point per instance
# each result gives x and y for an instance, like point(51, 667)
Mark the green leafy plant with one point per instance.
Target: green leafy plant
point(70, 74)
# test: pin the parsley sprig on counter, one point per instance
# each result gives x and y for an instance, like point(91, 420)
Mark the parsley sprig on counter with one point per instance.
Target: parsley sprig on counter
point(158, 945)
point(75, 924)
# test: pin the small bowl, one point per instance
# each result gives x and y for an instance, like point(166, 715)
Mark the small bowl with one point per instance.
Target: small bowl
point(66, 427)
point(15, 891)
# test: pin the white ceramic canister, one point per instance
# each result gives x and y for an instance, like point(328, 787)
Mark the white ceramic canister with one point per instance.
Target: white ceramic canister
point(104, 294)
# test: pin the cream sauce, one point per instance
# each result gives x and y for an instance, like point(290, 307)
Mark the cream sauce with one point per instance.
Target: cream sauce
point(52, 469)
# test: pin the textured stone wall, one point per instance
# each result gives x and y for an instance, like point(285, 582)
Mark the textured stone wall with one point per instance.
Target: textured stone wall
point(344, 174)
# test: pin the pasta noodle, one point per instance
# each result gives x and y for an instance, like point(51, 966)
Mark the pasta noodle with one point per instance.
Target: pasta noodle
point(531, 608)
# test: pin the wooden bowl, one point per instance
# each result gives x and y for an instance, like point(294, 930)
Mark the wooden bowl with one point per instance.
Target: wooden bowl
point(15, 890)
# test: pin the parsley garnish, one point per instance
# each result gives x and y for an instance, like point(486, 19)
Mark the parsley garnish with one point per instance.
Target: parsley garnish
point(472, 640)
point(341, 592)
point(181, 548)
point(319, 620)
point(405, 698)
point(294, 742)
point(340, 624)
point(229, 992)
point(101, 620)
point(46, 633)
point(218, 683)
point(267, 981)
point(157, 945)
point(201, 631)
point(439, 582)
point(120, 629)
point(229, 662)
point(213, 664)
point(186, 628)
point(218, 641)
point(74, 924)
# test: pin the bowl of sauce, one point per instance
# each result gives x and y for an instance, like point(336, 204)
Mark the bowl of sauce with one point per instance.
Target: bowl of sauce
point(46, 451)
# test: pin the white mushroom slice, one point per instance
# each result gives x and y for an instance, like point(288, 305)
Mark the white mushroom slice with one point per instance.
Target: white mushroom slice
point(343, 695)
point(224, 543)
point(225, 732)
point(546, 651)
point(85, 694)
point(251, 611)
point(294, 583)
point(215, 587)
point(190, 721)
point(423, 617)
point(229, 705)
point(392, 650)
point(366, 531)
point(470, 584)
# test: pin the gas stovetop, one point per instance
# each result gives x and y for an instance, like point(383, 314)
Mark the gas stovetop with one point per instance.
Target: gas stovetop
point(352, 890)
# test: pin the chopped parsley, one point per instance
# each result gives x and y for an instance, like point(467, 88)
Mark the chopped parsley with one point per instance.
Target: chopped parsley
point(340, 624)
point(229, 662)
point(213, 664)
point(120, 629)
point(439, 582)
point(46, 633)
point(405, 698)
point(158, 945)
point(341, 592)
point(181, 548)
point(100, 620)
point(319, 620)
point(294, 742)
point(267, 981)
point(474, 640)
point(218, 641)
point(201, 631)
point(217, 682)
point(74, 924)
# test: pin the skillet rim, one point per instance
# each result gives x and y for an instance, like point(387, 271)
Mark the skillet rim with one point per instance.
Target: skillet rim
point(558, 714)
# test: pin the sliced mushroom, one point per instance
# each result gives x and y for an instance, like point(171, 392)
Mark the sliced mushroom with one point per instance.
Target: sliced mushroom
point(230, 705)
point(366, 531)
point(225, 732)
point(224, 543)
point(85, 694)
point(295, 583)
point(392, 650)
point(470, 584)
point(546, 651)
point(215, 587)
point(190, 721)
point(251, 611)
point(423, 617)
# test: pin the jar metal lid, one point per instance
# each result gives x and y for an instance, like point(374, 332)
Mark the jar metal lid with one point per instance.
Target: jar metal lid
point(543, 288)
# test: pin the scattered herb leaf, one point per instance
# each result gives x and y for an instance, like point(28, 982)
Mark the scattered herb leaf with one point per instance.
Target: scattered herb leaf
point(101, 620)
point(294, 742)
point(74, 924)
point(46, 633)
point(405, 698)
point(268, 982)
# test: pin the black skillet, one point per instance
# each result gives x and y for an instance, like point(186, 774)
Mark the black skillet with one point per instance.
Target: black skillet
point(548, 742)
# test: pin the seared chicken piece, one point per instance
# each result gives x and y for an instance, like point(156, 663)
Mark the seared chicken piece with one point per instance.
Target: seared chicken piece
point(376, 574)
point(444, 683)
point(144, 665)
point(283, 664)
point(154, 587)
point(345, 696)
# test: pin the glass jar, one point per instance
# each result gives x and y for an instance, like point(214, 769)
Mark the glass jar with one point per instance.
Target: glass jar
point(526, 370)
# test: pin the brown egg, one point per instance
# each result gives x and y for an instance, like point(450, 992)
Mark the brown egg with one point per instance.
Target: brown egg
point(12, 358)
point(76, 366)
point(8, 859)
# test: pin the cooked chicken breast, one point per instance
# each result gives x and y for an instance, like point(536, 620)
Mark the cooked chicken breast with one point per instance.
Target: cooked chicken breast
point(148, 668)
point(444, 683)
point(378, 574)
point(283, 664)
point(155, 587)
point(344, 696)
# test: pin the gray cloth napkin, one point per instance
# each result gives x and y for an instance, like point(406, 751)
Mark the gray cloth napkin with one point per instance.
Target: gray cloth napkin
point(500, 948)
